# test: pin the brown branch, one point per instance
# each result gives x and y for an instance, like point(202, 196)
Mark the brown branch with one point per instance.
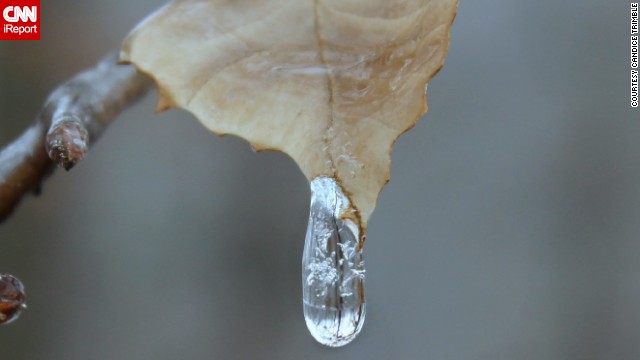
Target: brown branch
point(73, 117)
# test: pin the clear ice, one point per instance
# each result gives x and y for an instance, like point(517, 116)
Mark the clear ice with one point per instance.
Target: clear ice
point(332, 268)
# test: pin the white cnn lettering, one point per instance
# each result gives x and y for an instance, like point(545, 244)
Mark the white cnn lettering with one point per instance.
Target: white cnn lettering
point(24, 14)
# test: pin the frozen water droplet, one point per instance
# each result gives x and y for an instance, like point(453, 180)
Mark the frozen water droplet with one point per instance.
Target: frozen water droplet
point(332, 268)
point(12, 298)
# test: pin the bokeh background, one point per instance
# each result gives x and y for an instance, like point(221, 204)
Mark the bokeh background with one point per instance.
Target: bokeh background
point(509, 230)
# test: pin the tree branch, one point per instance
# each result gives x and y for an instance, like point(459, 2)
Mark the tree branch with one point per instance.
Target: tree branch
point(73, 117)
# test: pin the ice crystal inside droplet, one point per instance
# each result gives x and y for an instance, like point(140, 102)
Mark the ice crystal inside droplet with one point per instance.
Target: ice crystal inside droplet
point(332, 268)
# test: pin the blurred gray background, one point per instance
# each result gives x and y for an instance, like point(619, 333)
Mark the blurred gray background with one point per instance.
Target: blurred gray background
point(509, 229)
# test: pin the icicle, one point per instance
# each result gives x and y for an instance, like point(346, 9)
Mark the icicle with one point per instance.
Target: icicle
point(332, 268)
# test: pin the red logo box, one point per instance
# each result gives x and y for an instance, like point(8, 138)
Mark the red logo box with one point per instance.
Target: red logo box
point(19, 19)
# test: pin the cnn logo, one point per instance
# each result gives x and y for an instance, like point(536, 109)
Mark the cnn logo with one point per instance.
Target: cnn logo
point(20, 20)
point(14, 14)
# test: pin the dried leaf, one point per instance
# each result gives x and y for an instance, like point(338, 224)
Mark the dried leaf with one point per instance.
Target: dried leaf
point(331, 83)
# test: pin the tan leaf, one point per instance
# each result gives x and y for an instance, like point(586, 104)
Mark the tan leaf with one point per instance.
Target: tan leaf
point(331, 83)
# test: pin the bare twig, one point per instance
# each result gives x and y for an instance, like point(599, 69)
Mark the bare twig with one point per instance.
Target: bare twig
point(73, 117)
